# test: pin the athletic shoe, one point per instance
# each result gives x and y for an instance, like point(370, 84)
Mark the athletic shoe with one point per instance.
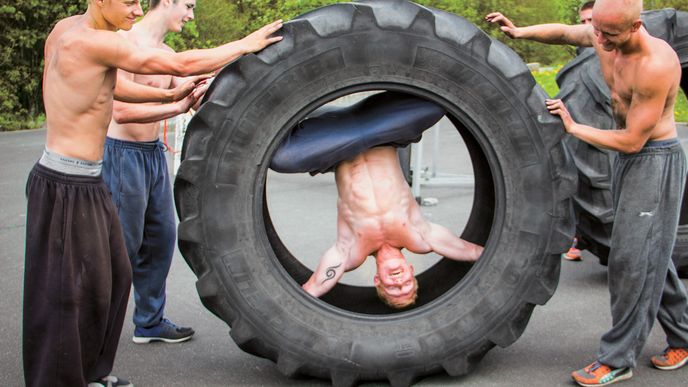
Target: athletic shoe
point(671, 359)
point(598, 374)
point(111, 381)
point(573, 254)
point(165, 331)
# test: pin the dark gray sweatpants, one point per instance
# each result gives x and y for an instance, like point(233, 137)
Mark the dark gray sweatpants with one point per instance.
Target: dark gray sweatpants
point(648, 188)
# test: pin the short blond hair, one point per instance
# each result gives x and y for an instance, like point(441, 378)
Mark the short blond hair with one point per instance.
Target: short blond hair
point(396, 304)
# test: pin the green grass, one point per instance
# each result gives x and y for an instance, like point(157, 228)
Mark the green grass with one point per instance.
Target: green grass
point(546, 79)
point(681, 108)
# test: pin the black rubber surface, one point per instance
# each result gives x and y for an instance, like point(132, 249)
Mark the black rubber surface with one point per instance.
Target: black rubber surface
point(586, 95)
point(524, 180)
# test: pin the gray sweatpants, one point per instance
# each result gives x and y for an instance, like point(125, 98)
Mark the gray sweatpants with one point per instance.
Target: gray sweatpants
point(648, 188)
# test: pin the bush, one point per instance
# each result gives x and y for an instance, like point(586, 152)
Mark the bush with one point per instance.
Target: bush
point(24, 25)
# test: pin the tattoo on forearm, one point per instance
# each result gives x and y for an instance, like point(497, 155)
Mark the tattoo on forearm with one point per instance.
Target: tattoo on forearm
point(330, 273)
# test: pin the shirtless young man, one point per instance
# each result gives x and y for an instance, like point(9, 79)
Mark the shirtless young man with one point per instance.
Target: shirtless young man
point(135, 170)
point(643, 74)
point(585, 12)
point(377, 214)
point(77, 273)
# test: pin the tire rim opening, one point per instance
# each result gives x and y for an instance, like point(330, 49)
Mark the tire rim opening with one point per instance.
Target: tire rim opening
point(447, 172)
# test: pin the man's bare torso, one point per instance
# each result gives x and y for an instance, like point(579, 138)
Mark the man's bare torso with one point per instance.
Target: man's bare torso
point(621, 72)
point(376, 206)
point(77, 92)
point(141, 131)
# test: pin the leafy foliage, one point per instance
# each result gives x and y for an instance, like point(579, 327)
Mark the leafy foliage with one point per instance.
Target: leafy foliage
point(24, 25)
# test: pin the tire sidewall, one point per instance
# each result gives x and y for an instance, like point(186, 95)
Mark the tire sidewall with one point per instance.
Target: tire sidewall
point(270, 102)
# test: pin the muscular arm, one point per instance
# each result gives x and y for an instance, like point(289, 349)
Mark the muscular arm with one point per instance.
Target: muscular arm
point(554, 33)
point(329, 271)
point(445, 243)
point(337, 260)
point(124, 55)
point(127, 90)
point(648, 104)
point(124, 113)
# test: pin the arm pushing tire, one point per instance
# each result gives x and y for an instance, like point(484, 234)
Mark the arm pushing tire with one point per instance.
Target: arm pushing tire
point(522, 211)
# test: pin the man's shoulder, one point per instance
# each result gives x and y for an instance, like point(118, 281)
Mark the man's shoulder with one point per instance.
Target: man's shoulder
point(659, 70)
point(88, 37)
point(62, 27)
point(82, 47)
point(66, 23)
point(661, 61)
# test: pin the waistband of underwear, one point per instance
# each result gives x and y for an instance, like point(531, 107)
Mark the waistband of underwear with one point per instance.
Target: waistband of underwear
point(661, 143)
point(70, 165)
point(136, 145)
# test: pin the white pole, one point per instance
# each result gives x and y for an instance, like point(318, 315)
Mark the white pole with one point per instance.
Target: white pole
point(417, 162)
point(180, 123)
point(435, 148)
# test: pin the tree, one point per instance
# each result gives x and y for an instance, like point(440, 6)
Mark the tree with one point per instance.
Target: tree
point(24, 25)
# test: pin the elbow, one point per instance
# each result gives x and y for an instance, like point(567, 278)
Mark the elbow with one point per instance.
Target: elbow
point(176, 68)
point(632, 148)
point(121, 115)
point(310, 288)
point(182, 70)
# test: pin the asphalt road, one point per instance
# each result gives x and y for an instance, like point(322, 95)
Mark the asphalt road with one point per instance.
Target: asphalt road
point(562, 335)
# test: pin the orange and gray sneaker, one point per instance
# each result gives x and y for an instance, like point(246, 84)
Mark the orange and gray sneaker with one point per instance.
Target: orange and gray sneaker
point(671, 359)
point(598, 374)
point(572, 255)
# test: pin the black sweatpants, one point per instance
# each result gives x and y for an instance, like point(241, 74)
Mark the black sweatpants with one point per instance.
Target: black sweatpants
point(77, 278)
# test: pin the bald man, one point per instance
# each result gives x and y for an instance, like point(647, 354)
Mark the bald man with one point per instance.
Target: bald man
point(643, 74)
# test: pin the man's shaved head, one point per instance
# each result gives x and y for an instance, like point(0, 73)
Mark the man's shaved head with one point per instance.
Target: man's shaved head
point(625, 12)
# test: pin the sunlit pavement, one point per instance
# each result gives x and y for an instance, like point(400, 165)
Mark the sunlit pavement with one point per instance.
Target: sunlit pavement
point(562, 336)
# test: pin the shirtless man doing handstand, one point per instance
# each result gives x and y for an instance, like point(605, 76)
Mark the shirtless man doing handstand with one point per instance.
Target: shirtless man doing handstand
point(377, 215)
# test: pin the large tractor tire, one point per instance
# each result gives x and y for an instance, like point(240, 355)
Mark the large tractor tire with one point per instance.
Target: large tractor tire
point(586, 95)
point(522, 211)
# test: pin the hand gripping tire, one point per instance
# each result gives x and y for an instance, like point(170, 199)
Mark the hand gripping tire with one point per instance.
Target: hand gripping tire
point(524, 180)
point(586, 95)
